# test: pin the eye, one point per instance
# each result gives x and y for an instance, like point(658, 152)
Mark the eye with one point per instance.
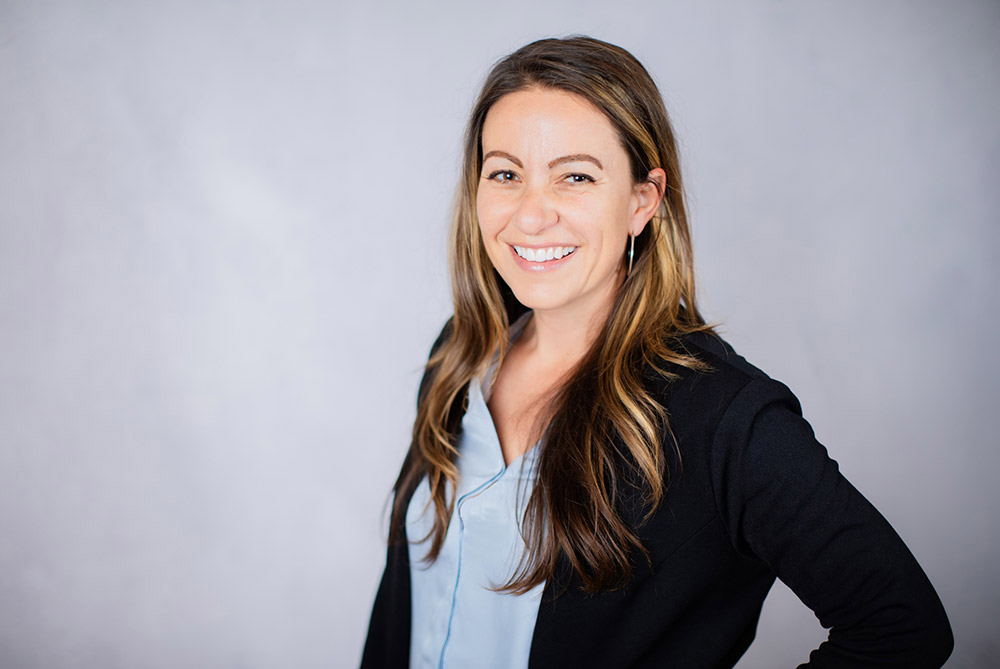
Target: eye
point(580, 178)
point(502, 176)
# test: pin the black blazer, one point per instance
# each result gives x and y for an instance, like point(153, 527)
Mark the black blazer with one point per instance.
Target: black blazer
point(757, 497)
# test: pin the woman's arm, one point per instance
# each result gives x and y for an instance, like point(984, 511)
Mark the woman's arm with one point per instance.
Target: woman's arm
point(785, 501)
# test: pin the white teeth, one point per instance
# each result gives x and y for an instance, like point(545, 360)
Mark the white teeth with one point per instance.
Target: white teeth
point(541, 255)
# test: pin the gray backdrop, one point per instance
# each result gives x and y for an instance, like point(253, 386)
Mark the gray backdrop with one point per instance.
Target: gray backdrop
point(222, 264)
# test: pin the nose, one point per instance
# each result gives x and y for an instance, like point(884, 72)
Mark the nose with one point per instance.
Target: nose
point(536, 211)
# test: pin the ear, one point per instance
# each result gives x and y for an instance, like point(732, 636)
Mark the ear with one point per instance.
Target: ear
point(647, 198)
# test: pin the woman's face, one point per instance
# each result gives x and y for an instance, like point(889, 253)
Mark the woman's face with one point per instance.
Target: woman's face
point(556, 201)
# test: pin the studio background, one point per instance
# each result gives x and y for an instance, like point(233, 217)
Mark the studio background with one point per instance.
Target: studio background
point(222, 263)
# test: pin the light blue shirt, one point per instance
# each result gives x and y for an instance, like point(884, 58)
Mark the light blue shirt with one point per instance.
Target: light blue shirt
point(457, 621)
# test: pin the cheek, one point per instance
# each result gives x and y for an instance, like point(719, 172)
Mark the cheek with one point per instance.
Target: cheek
point(483, 214)
point(489, 212)
point(488, 228)
point(610, 229)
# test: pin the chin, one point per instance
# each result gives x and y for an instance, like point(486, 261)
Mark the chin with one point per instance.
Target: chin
point(538, 300)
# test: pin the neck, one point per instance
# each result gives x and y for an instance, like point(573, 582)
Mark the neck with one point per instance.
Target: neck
point(563, 336)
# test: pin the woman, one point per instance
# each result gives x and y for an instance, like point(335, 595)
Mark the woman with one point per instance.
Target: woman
point(595, 479)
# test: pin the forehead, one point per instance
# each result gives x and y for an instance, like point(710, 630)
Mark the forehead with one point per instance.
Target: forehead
point(548, 120)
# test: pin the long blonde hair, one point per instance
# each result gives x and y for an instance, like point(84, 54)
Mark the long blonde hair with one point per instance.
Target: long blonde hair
point(571, 511)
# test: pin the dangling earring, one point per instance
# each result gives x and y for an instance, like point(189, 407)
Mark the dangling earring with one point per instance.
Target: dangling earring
point(631, 252)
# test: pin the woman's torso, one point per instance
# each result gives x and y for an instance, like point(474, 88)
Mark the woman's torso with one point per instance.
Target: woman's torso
point(459, 620)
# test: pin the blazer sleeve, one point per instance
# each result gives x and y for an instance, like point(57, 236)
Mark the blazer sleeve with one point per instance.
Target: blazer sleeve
point(387, 645)
point(785, 502)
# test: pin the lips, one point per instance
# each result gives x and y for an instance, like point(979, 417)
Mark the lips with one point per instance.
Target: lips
point(543, 254)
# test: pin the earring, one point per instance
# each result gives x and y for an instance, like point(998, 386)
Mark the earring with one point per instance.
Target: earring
point(631, 252)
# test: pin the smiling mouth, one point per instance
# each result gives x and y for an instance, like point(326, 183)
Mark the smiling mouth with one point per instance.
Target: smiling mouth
point(544, 254)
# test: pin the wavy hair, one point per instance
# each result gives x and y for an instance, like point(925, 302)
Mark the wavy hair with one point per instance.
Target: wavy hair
point(604, 429)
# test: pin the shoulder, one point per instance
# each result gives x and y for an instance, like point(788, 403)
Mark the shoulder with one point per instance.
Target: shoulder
point(443, 336)
point(727, 385)
point(724, 411)
point(719, 355)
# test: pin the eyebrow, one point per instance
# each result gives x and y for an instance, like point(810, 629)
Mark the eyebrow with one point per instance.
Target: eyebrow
point(503, 154)
point(576, 157)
